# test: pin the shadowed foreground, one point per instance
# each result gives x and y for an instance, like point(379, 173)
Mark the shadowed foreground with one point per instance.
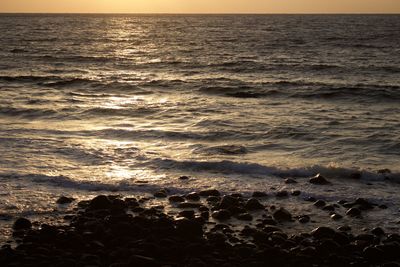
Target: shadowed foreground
point(110, 231)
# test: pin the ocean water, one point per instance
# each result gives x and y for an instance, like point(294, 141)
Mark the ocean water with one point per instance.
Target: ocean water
point(128, 103)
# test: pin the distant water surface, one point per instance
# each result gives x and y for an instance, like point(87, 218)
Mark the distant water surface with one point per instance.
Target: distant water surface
point(101, 102)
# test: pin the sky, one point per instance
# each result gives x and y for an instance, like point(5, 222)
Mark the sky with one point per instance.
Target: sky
point(201, 6)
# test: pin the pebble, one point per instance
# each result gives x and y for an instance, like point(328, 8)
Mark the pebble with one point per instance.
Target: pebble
point(282, 215)
point(319, 180)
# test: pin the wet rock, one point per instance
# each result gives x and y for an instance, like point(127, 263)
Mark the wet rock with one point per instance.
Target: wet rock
point(228, 202)
point(282, 193)
point(319, 180)
point(329, 208)
point(209, 193)
point(296, 193)
point(282, 215)
point(187, 214)
point(184, 178)
point(160, 194)
point(187, 227)
point(323, 232)
point(65, 200)
point(378, 231)
point(336, 217)
point(22, 224)
point(344, 228)
point(100, 202)
point(258, 194)
point(319, 203)
point(290, 181)
point(176, 199)
point(373, 253)
point(310, 199)
point(244, 217)
point(253, 204)
point(304, 219)
point(353, 212)
point(221, 215)
point(193, 196)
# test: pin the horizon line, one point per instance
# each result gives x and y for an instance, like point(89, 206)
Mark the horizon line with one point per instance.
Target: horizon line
point(200, 13)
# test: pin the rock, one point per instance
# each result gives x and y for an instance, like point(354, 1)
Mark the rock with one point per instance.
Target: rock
point(329, 208)
point(344, 228)
point(319, 180)
point(319, 203)
point(310, 199)
point(187, 214)
point(187, 227)
point(193, 196)
point(259, 194)
point(383, 207)
point(253, 204)
point(373, 253)
point(209, 193)
point(160, 194)
point(184, 178)
point(378, 231)
point(353, 212)
point(282, 215)
point(304, 219)
point(296, 193)
point(221, 215)
point(176, 199)
point(100, 202)
point(244, 217)
point(363, 204)
point(282, 193)
point(323, 232)
point(65, 200)
point(22, 224)
point(290, 181)
point(336, 217)
point(228, 202)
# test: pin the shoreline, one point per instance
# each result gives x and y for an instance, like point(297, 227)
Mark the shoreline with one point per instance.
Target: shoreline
point(198, 229)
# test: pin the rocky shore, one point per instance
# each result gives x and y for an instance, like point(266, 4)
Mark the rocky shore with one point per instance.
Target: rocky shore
point(204, 229)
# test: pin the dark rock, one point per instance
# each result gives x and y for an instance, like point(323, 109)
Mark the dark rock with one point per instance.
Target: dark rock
point(310, 199)
point(244, 217)
point(319, 180)
point(193, 196)
point(221, 215)
point(160, 194)
point(22, 224)
point(344, 228)
point(253, 204)
point(323, 232)
point(329, 208)
point(320, 203)
point(282, 193)
point(259, 194)
point(184, 178)
point(304, 219)
point(373, 253)
point(187, 214)
point(290, 181)
point(378, 231)
point(138, 260)
point(100, 202)
point(383, 207)
point(209, 193)
point(353, 212)
point(336, 217)
point(186, 227)
point(296, 193)
point(65, 200)
point(228, 202)
point(282, 215)
point(356, 175)
point(176, 199)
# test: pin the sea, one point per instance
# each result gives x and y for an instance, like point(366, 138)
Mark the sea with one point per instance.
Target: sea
point(127, 104)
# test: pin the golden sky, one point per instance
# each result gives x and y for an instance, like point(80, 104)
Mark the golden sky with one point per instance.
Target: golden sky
point(201, 6)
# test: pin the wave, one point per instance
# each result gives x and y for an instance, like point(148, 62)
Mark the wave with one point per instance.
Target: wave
point(245, 168)
point(27, 112)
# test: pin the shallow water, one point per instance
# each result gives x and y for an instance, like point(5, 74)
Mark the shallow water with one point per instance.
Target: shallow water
point(107, 102)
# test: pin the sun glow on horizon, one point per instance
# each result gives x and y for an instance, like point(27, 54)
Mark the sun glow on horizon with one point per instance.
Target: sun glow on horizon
point(200, 6)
